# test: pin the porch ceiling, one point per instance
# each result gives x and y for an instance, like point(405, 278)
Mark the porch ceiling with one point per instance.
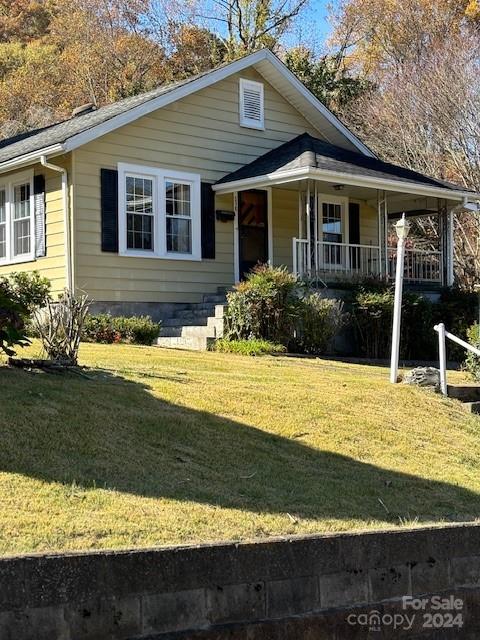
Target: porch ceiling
point(306, 157)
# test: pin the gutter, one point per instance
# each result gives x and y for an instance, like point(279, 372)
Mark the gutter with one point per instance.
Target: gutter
point(347, 178)
point(67, 235)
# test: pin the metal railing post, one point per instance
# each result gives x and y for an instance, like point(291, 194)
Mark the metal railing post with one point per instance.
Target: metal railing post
point(442, 356)
point(295, 264)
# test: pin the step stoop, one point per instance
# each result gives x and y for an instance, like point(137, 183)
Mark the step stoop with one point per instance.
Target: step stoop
point(196, 327)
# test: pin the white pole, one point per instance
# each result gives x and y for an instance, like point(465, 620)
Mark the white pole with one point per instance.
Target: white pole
point(442, 355)
point(402, 231)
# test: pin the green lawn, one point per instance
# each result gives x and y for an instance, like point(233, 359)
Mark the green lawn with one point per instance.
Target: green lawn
point(164, 447)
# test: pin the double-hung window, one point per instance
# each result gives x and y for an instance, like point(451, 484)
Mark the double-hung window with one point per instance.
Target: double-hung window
point(140, 213)
point(159, 213)
point(17, 219)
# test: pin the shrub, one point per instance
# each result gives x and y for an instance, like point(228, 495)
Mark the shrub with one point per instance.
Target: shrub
point(472, 362)
point(248, 347)
point(320, 320)
point(458, 310)
point(59, 325)
point(107, 329)
point(373, 317)
point(12, 323)
point(30, 289)
point(264, 306)
point(20, 294)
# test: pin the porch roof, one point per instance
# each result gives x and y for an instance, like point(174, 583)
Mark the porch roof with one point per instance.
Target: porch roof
point(309, 157)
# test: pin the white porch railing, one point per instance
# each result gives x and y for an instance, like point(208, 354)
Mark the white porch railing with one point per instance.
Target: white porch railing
point(420, 265)
point(335, 260)
point(442, 352)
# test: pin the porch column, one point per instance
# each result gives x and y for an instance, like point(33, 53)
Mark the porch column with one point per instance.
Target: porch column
point(309, 229)
point(445, 218)
point(382, 232)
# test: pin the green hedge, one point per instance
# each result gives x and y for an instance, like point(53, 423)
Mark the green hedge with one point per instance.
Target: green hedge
point(108, 329)
point(372, 313)
point(248, 347)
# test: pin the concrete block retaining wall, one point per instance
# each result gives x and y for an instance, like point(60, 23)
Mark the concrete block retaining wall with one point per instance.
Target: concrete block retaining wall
point(313, 587)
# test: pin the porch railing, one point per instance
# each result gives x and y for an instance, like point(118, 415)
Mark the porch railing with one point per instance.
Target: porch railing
point(420, 265)
point(335, 260)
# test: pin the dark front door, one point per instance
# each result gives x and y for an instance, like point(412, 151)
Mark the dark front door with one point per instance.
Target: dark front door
point(252, 229)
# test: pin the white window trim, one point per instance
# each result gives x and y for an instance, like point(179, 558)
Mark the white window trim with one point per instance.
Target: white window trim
point(248, 122)
point(9, 184)
point(343, 202)
point(159, 177)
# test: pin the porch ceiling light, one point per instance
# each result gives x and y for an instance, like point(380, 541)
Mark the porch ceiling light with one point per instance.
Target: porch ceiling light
point(339, 187)
point(402, 227)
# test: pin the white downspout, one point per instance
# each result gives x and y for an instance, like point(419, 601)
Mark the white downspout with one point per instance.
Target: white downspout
point(66, 217)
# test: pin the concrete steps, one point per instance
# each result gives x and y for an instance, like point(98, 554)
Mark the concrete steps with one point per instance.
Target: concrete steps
point(467, 394)
point(195, 326)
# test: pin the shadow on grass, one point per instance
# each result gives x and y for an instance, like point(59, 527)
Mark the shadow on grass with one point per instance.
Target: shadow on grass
point(112, 433)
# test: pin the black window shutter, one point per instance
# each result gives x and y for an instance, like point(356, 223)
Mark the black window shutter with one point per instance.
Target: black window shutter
point(354, 231)
point(354, 223)
point(39, 211)
point(109, 207)
point(208, 221)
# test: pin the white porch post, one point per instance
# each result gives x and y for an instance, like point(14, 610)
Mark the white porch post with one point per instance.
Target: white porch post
point(450, 257)
point(309, 240)
point(382, 232)
point(315, 228)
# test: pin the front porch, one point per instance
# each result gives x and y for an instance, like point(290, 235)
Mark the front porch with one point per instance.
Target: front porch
point(327, 254)
point(329, 215)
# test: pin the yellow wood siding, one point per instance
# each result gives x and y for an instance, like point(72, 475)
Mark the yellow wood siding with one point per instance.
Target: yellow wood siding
point(199, 134)
point(52, 265)
point(284, 225)
point(368, 224)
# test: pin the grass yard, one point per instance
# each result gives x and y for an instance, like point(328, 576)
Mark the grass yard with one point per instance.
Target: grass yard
point(163, 447)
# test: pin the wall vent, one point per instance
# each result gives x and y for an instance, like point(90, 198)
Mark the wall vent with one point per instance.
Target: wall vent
point(251, 104)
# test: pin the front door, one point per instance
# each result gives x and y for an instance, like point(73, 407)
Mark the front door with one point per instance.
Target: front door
point(252, 229)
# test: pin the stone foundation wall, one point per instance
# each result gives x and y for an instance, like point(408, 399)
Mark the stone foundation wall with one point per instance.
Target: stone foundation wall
point(315, 587)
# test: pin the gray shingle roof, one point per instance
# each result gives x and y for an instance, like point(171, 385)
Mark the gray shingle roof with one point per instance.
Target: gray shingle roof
point(307, 151)
point(60, 132)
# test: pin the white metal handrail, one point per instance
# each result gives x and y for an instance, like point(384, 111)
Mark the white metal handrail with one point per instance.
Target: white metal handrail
point(442, 352)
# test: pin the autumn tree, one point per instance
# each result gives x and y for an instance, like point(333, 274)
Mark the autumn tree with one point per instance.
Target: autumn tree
point(24, 20)
point(383, 35)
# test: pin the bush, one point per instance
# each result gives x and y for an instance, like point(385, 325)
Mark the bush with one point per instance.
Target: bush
point(108, 329)
point(274, 305)
point(265, 306)
point(320, 321)
point(472, 362)
point(20, 294)
point(373, 318)
point(248, 347)
point(59, 325)
point(458, 310)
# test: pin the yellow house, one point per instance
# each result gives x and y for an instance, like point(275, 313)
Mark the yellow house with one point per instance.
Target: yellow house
point(154, 202)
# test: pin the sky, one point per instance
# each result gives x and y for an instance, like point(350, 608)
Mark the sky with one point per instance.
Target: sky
point(313, 27)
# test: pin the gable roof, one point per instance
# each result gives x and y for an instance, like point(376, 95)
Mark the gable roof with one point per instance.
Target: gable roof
point(305, 155)
point(70, 134)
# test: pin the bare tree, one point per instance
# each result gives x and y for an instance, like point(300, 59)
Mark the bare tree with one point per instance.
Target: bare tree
point(248, 25)
point(426, 116)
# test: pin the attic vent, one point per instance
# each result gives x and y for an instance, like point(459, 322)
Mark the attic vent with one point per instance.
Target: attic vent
point(84, 108)
point(251, 104)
